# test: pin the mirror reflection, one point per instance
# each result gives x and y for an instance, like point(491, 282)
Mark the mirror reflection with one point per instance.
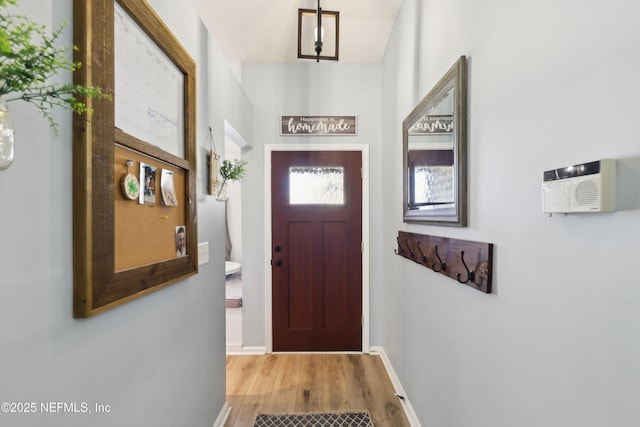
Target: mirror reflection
point(434, 138)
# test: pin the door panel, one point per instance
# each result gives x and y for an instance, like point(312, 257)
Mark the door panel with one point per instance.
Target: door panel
point(335, 283)
point(300, 311)
point(316, 257)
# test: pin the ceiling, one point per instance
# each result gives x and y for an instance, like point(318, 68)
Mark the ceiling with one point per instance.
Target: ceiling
point(267, 30)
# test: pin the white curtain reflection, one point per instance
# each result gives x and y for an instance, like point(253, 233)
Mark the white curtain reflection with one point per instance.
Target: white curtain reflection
point(316, 185)
point(434, 184)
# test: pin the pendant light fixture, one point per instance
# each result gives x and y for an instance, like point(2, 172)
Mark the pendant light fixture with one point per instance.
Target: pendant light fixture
point(318, 32)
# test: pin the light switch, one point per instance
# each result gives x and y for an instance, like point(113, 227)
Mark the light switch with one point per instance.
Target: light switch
point(203, 253)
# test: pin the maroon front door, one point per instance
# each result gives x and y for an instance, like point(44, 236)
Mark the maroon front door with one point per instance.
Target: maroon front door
point(316, 250)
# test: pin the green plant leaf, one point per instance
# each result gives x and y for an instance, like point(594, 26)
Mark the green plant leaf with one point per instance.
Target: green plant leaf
point(233, 170)
point(27, 69)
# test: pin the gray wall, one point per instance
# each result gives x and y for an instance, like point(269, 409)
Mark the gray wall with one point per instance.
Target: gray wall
point(304, 88)
point(551, 84)
point(158, 360)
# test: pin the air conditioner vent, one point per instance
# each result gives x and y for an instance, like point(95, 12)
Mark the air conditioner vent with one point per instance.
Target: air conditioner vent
point(587, 193)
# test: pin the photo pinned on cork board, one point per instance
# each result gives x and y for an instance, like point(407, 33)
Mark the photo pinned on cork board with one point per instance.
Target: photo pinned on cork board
point(181, 241)
point(148, 184)
point(167, 188)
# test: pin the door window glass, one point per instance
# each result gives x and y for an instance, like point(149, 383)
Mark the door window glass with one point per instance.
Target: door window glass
point(316, 185)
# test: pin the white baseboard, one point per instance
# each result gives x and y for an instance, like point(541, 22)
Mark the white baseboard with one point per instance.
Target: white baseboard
point(397, 385)
point(223, 415)
point(236, 350)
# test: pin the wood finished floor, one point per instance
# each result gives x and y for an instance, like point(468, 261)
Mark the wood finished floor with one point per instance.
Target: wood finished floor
point(310, 382)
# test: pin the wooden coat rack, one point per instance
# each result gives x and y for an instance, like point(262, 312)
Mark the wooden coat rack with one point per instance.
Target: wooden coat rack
point(470, 263)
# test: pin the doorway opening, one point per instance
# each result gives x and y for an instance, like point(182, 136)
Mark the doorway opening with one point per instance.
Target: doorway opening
point(270, 245)
point(234, 145)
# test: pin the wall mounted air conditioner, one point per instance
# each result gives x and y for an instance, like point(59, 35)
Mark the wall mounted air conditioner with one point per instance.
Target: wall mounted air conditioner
point(588, 187)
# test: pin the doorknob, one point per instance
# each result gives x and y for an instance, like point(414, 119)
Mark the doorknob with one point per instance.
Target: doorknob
point(278, 248)
point(277, 263)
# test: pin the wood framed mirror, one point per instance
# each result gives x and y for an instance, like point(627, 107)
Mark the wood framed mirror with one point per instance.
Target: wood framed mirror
point(127, 247)
point(434, 138)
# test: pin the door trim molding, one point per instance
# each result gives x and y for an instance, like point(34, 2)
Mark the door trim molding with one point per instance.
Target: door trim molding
point(268, 149)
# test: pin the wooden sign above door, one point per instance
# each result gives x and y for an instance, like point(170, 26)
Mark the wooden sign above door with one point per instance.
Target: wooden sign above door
point(319, 125)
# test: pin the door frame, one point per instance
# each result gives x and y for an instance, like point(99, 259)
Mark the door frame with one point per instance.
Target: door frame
point(268, 297)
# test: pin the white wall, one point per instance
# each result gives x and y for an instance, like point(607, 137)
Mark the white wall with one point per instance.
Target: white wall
point(304, 88)
point(158, 360)
point(233, 152)
point(551, 83)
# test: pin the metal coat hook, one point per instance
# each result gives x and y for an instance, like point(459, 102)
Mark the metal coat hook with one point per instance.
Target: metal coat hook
point(398, 251)
point(424, 257)
point(411, 253)
point(470, 274)
point(443, 265)
point(435, 253)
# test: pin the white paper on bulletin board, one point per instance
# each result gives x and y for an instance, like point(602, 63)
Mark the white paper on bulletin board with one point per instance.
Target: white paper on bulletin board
point(149, 88)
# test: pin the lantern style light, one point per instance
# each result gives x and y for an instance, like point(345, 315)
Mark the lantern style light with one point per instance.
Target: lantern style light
point(318, 34)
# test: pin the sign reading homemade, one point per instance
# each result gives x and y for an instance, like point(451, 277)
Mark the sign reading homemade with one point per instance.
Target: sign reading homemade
point(429, 125)
point(318, 125)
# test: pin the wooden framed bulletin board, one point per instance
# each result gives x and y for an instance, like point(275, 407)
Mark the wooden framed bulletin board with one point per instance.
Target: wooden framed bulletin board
point(126, 246)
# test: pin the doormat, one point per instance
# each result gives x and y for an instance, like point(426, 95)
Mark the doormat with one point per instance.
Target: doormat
point(315, 419)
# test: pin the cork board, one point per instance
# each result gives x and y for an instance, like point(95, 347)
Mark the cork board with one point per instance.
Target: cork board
point(145, 234)
point(123, 250)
